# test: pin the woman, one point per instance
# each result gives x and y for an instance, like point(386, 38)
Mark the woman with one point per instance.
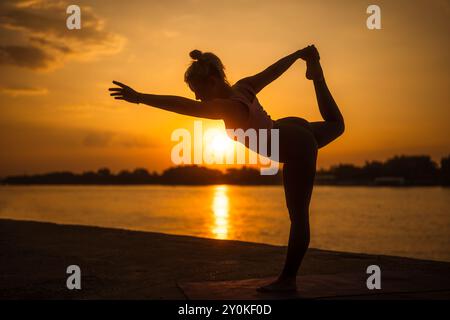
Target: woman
point(237, 105)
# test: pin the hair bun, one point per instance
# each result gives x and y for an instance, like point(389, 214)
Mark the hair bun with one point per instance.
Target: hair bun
point(196, 54)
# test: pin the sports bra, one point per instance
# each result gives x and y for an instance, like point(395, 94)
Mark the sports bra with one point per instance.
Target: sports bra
point(257, 116)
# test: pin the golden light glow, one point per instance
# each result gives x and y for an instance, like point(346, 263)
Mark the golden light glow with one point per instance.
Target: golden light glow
point(221, 144)
point(75, 125)
point(218, 145)
point(220, 208)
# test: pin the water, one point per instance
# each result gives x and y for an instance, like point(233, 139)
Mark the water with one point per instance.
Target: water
point(413, 222)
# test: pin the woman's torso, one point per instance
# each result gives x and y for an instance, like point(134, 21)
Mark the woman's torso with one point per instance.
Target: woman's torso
point(258, 118)
point(258, 122)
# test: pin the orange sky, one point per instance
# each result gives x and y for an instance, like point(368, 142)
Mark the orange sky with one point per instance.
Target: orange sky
point(56, 114)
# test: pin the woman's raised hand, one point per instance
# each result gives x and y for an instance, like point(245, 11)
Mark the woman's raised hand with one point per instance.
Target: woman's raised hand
point(124, 92)
point(309, 52)
point(313, 69)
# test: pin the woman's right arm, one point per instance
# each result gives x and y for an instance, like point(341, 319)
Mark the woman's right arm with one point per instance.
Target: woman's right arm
point(265, 77)
point(214, 109)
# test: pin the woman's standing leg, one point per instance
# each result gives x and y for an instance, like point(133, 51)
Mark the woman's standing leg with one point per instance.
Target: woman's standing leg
point(298, 179)
point(298, 185)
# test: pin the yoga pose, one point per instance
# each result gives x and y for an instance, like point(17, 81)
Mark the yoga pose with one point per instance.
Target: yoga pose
point(238, 107)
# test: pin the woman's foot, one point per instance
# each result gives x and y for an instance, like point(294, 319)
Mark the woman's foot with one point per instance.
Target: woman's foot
point(313, 67)
point(280, 285)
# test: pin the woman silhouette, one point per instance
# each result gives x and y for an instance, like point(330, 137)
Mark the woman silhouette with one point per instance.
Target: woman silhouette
point(238, 107)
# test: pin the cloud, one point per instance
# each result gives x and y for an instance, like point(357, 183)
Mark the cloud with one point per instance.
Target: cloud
point(39, 39)
point(133, 141)
point(25, 56)
point(102, 139)
point(98, 139)
point(23, 91)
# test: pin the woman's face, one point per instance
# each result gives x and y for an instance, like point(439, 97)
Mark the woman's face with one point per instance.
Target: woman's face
point(204, 91)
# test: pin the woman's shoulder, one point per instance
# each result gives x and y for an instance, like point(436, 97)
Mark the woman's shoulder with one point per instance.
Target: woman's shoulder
point(244, 87)
point(245, 83)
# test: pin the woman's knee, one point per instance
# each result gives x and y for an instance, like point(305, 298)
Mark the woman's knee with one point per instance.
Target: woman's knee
point(340, 127)
point(336, 130)
point(327, 131)
point(301, 227)
point(298, 220)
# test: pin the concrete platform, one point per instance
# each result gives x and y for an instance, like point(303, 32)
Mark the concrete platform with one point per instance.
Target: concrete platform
point(124, 264)
point(394, 285)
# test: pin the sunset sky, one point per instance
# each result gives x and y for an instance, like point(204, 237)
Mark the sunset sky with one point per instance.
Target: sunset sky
point(55, 112)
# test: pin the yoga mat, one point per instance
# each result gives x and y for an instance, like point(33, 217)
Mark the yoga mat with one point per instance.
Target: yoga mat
point(394, 285)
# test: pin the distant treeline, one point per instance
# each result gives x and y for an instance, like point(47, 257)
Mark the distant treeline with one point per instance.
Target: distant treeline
point(189, 175)
point(399, 170)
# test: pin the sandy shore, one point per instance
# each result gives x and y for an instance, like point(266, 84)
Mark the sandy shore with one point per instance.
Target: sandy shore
point(121, 264)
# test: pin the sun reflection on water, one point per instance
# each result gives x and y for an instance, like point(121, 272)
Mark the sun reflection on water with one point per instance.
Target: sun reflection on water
point(220, 208)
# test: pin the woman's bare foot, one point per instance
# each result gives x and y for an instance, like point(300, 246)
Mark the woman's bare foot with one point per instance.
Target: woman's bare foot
point(313, 67)
point(280, 285)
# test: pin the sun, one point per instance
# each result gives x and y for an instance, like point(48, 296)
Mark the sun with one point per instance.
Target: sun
point(218, 143)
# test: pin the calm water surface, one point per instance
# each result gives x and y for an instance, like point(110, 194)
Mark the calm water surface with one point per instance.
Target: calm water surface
point(412, 222)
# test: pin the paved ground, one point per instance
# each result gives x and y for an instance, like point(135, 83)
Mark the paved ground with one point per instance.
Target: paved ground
point(121, 264)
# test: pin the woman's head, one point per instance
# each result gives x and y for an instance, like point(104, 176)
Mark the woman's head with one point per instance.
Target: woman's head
point(205, 75)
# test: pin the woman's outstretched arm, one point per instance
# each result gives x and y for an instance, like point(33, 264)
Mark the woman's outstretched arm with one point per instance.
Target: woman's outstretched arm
point(265, 77)
point(214, 109)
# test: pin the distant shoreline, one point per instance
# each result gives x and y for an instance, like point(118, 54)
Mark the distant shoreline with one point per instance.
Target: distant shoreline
point(218, 184)
point(399, 171)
